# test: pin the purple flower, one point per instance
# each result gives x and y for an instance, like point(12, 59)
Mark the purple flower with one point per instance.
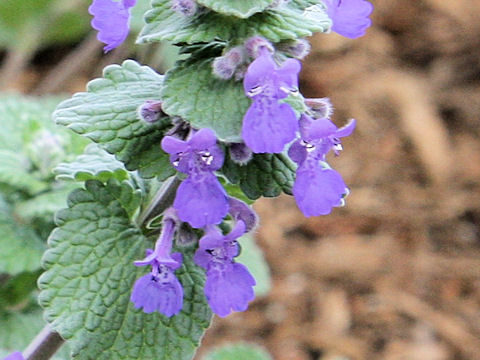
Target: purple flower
point(160, 289)
point(200, 200)
point(349, 17)
point(269, 125)
point(17, 355)
point(318, 188)
point(112, 20)
point(229, 285)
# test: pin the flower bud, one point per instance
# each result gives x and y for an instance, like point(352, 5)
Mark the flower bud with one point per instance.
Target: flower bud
point(224, 67)
point(319, 108)
point(256, 45)
point(295, 48)
point(184, 7)
point(240, 153)
point(150, 111)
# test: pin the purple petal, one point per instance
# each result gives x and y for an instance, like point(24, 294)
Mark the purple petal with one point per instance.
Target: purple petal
point(202, 139)
point(111, 19)
point(212, 239)
point(237, 231)
point(317, 190)
point(346, 130)
point(229, 290)
point(311, 129)
point(287, 74)
point(261, 68)
point(17, 355)
point(297, 152)
point(201, 200)
point(164, 295)
point(268, 126)
point(349, 17)
point(172, 145)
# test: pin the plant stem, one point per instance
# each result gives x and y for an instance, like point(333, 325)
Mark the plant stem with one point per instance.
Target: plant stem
point(162, 200)
point(44, 345)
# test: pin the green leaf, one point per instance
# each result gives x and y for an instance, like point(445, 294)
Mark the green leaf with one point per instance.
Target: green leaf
point(88, 280)
point(205, 101)
point(43, 205)
point(265, 175)
point(16, 291)
point(94, 164)
point(107, 114)
point(241, 9)
point(15, 170)
point(252, 257)
point(18, 329)
point(285, 23)
point(21, 247)
point(239, 352)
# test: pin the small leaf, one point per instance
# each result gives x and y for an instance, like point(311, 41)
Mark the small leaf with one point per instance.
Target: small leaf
point(241, 9)
point(88, 280)
point(107, 114)
point(205, 101)
point(238, 352)
point(21, 248)
point(94, 164)
point(285, 23)
point(265, 175)
point(252, 257)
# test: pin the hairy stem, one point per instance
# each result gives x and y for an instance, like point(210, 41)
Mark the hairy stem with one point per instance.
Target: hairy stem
point(44, 345)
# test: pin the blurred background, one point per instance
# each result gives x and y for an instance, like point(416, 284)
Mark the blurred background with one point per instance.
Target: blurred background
point(394, 275)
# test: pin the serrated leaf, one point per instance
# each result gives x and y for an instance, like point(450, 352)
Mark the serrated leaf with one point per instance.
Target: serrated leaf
point(94, 164)
point(107, 114)
point(205, 101)
point(265, 175)
point(241, 9)
point(21, 248)
point(238, 352)
point(252, 257)
point(88, 279)
point(285, 23)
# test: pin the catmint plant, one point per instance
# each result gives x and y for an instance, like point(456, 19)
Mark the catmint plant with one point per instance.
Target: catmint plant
point(148, 248)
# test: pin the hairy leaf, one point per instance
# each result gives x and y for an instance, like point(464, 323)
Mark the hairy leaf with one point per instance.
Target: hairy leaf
point(94, 164)
point(107, 114)
point(285, 23)
point(205, 101)
point(241, 9)
point(86, 287)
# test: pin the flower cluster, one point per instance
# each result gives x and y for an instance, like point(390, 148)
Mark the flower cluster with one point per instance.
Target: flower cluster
point(270, 125)
point(228, 286)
